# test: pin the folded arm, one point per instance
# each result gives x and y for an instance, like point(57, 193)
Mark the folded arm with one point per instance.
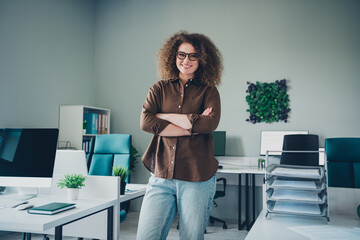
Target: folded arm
point(149, 121)
point(180, 124)
point(207, 123)
point(174, 125)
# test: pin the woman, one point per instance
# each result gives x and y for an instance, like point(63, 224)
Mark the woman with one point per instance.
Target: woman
point(181, 111)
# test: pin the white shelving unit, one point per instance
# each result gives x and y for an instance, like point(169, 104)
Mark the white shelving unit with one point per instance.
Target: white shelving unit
point(71, 133)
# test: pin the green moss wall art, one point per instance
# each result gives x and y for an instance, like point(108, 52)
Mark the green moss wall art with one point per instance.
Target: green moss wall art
point(268, 102)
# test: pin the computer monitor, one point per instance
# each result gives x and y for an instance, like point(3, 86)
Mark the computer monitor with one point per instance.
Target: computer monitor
point(219, 138)
point(273, 141)
point(27, 156)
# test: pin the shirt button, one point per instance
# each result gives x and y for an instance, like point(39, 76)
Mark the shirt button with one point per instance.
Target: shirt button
point(179, 106)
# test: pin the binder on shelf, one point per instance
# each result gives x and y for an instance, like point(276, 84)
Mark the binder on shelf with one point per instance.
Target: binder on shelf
point(95, 123)
point(91, 123)
point(99, 125)
point(86, 145)
point(103, 124)
point(52, 208)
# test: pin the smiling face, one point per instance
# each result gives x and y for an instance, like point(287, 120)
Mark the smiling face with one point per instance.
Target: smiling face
point(187, 68)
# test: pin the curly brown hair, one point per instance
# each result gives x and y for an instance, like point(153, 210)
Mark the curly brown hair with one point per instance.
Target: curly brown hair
point(210, 58)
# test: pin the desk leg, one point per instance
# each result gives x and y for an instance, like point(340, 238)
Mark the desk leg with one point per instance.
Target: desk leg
point(247, 202)
point(26, 236)
point(253, 199)
point(110, 225)
point(239, 204)
point(58, 233)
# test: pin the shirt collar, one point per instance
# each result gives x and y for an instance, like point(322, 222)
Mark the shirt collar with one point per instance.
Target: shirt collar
point(193, 80)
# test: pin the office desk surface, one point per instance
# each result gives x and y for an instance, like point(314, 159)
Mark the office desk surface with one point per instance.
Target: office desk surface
point(133, 191)
point(276, 226)
point(239, 165)
point(21, 221)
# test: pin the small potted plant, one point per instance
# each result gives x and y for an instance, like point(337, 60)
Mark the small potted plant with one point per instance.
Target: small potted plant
point(261, 163)
point(73, 183)
point(123, 173)
point(84, 126)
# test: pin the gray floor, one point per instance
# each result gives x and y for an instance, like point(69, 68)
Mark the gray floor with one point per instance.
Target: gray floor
point(129, 227)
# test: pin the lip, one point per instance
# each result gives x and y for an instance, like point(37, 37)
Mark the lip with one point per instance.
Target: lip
point(186, 66)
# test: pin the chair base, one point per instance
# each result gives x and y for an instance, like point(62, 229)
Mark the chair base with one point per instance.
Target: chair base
point(213, 219)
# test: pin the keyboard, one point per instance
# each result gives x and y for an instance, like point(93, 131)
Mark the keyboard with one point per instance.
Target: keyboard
point(11, 201)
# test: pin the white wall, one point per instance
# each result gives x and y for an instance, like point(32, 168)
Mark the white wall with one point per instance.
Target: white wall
point(103, 53)
point(313, 44)
point(46, 59)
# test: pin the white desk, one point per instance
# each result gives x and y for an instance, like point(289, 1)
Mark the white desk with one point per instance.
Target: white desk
point(277, 227)
point(96, 210)
point(242, 166)
point(342, 202)
point(21, 221)
point(133, 191)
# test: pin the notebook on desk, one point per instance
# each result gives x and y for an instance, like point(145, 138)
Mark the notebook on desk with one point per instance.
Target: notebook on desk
point(52, 208)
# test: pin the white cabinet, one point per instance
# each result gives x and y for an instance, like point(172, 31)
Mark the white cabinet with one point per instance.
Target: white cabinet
point(71, 134)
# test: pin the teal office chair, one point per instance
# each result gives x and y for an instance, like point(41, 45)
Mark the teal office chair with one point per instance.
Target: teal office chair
point(343, 162)
point(108, 151)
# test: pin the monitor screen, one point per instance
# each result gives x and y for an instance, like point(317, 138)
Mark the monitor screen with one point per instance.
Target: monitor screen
point(219, 138)
point(27, 156)
point(273, 141)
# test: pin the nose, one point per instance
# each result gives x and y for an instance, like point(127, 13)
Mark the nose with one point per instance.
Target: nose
point(187, 59)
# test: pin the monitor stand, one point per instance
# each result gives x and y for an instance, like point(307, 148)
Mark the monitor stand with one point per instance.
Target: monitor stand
point(21, 193)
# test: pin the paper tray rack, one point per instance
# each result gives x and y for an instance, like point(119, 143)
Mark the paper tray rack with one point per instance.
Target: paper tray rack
point(297, 196)
point(296, 190)
point(278, 182)
point(302, 209)
point(294, 171)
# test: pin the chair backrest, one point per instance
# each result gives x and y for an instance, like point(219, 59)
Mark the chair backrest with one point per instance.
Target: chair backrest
point(343, 162)
point(300, 142)
point(109, 150)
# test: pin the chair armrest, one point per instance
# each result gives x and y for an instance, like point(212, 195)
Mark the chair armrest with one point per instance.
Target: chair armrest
point(223, 180)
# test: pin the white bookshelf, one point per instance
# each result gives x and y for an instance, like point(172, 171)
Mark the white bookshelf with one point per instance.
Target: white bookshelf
point(71, 124)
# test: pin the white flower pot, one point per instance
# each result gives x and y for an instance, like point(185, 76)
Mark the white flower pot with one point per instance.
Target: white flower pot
point(73, 193)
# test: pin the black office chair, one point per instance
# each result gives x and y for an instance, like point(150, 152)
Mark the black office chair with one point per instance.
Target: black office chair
point(300, 142)
point(219, 194)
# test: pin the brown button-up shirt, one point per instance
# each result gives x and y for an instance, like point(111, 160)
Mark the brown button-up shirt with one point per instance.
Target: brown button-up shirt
point(187, 158)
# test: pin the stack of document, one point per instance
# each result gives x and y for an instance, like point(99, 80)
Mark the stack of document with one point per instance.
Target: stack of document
point(295, 195)
point(301, 208)
point(296, 172)
point(294, 184)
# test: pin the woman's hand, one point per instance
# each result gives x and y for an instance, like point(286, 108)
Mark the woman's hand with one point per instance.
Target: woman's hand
point(161, 116)
point(207, 111)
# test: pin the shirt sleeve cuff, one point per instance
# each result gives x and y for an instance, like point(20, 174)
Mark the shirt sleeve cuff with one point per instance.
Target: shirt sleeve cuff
point(193, 119)
point(159, 126)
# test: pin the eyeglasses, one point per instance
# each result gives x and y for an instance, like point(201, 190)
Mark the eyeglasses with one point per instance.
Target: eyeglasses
point(192, 56)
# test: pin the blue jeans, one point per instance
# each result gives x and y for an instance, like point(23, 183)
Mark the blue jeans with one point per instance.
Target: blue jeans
point(165, 197)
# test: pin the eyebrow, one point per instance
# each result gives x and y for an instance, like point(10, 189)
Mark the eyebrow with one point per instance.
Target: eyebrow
point(186, 52)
